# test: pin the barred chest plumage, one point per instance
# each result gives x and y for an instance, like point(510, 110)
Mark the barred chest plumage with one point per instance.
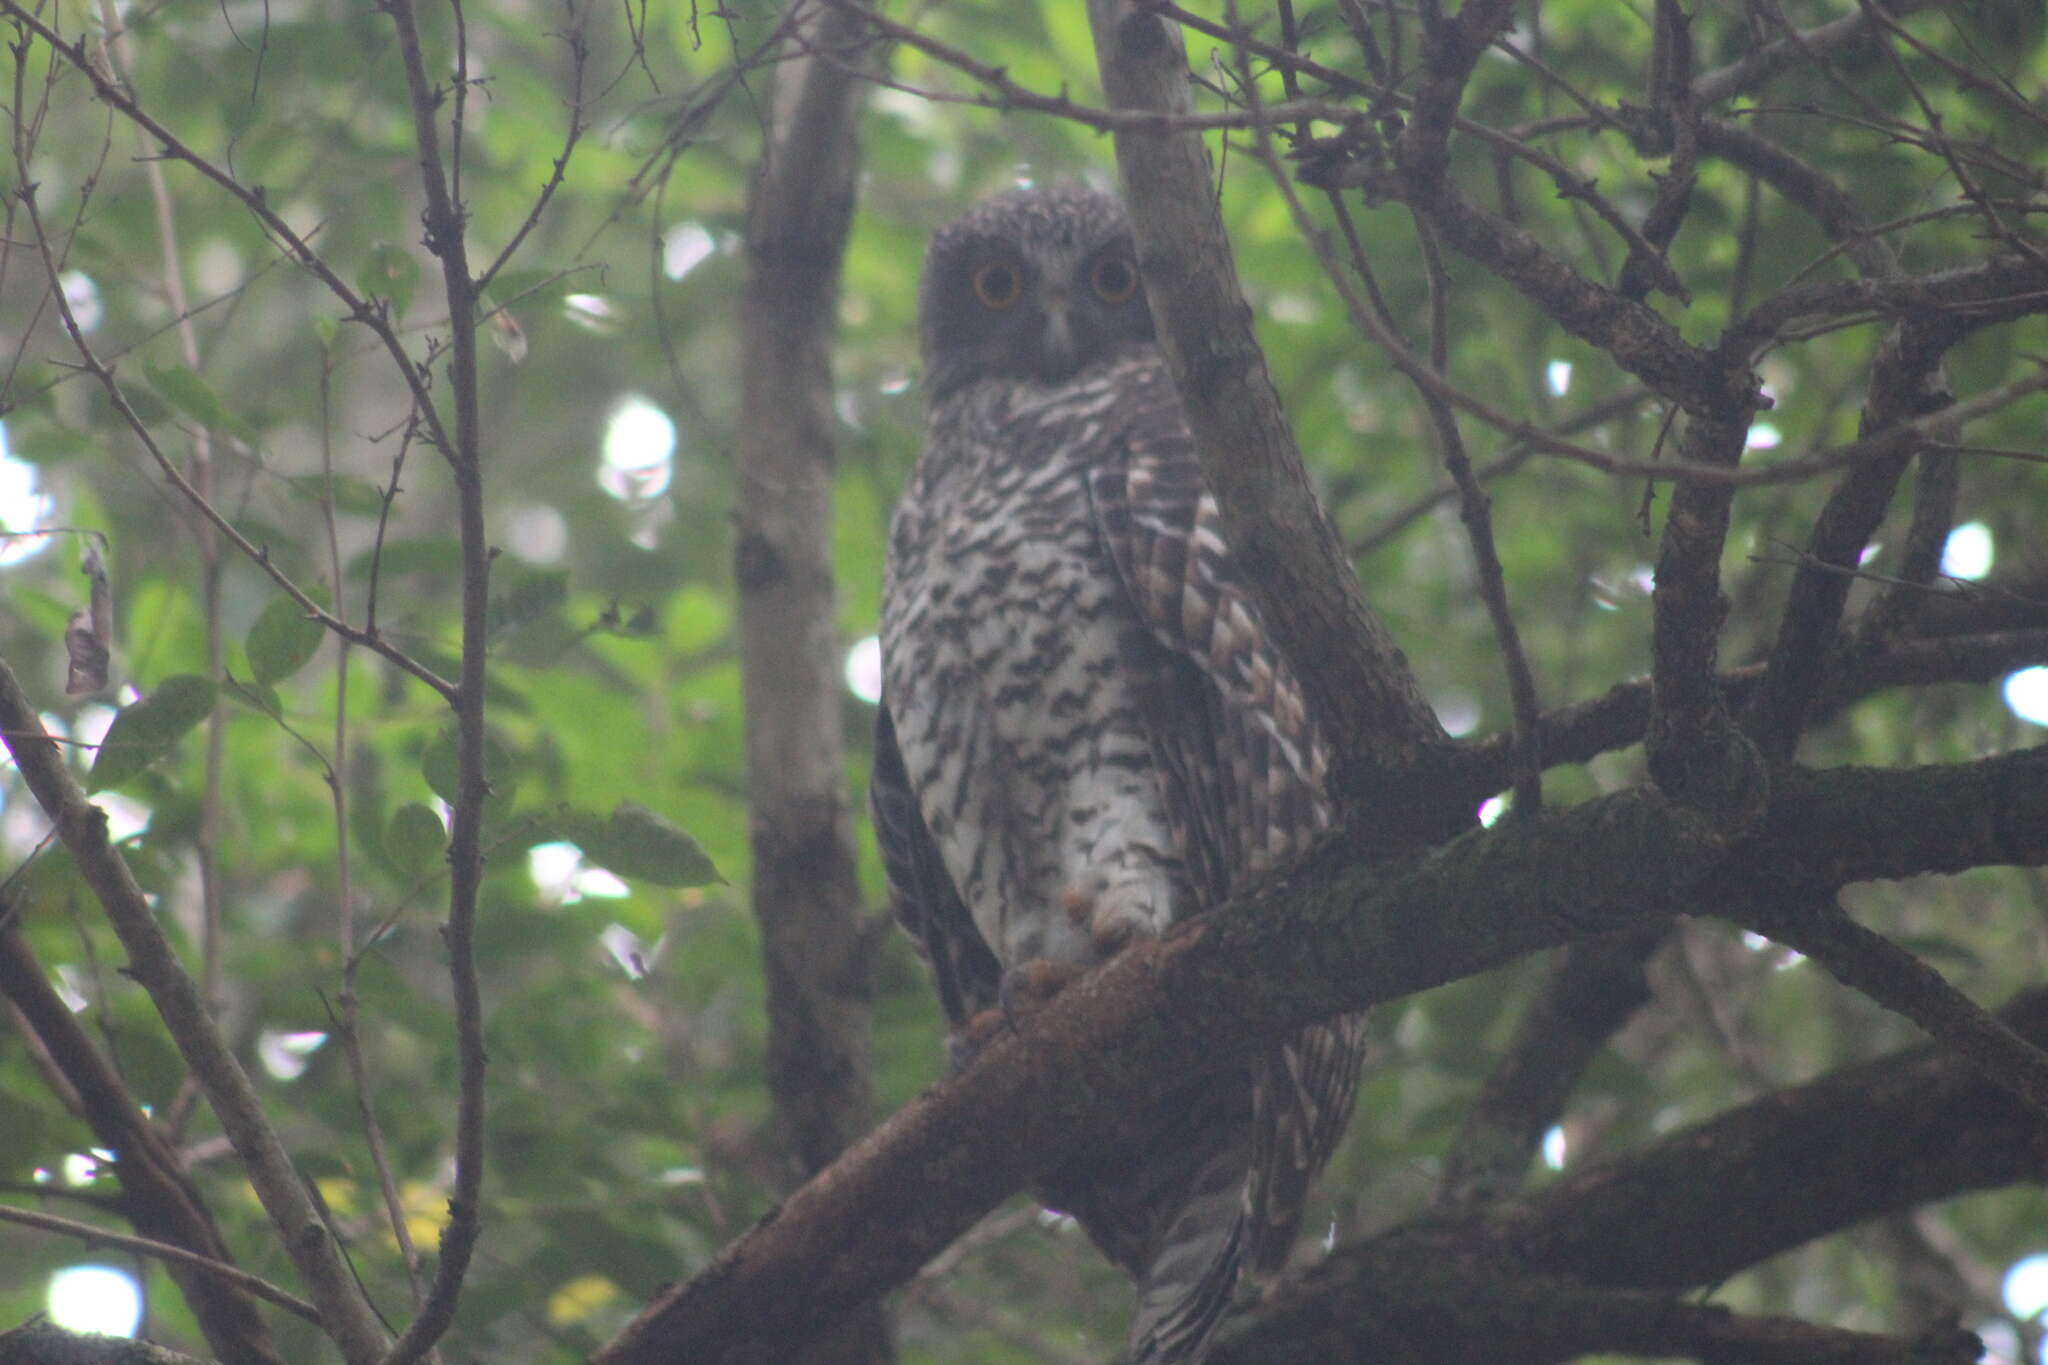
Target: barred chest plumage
point(1010, 651)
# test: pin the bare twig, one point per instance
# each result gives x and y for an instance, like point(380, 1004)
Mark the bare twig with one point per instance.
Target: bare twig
point(446, 219)
point(1872, 964)
point(163, 1251)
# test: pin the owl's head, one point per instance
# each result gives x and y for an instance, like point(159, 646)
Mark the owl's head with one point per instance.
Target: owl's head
point(1032, 284)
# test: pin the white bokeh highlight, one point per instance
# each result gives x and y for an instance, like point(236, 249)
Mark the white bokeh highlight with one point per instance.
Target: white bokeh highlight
point(639, 451)
point(1968, 552)
point(2026, 695)
point(95, 1298)
point(24, 507)
point(864, 670)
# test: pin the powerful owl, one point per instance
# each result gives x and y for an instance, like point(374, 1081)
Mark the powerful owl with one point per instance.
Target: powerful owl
point(1085, 733)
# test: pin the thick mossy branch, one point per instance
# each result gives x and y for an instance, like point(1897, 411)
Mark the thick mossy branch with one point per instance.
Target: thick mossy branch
point(1336, 932)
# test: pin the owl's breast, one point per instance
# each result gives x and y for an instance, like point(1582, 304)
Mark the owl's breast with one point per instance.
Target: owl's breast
point(1007, 645)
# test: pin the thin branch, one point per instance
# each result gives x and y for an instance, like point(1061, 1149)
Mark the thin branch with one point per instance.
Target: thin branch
point(257, 555)
point(151, 963)
point(206, 841)
point(1760, 66)
point(1618, 717)
point(1475, 510)
point(365, 311)
point(579, 60)
point(446, 223)
point(1872, 964)
point(1587, 995)
point(158, 1199)
point(92, 1235)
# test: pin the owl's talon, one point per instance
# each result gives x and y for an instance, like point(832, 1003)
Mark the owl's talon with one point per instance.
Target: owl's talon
point(1030, 986)
point(1111, 936)
point(967, 1041)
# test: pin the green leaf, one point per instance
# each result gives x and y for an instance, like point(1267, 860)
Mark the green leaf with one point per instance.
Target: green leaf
point(390, 272)
point(415, 839)
point(525, 599)
point(635, 842)
point(428, 554)
point(149, 729)
point(282, 641)
point(51, 445)
point(194, 397)
point(437, 765)
point(256, 696)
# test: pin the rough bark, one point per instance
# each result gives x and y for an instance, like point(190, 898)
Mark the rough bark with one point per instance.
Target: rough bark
point(806, 898)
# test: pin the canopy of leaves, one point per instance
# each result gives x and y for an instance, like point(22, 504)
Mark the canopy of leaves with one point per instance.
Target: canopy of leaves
point(281, 797)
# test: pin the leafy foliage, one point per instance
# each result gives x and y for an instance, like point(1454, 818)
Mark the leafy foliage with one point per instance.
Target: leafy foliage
point(624, 1015)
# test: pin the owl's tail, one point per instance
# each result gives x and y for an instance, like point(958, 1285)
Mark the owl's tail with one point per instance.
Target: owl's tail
point(1188, 1283)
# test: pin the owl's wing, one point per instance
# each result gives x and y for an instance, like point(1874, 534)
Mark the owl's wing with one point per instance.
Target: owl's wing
point(922, 894)
point(1244, 771)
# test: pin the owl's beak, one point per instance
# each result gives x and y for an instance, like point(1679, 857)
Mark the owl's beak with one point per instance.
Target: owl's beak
point(1059, 350)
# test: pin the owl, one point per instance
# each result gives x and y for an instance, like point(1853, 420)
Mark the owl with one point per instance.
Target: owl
point(1086, 735)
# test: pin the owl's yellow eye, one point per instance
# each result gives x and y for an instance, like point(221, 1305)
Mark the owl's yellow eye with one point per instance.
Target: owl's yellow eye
point(998, 284)
point(1113, 279)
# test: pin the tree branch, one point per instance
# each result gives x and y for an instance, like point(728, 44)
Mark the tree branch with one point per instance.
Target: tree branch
point(1689, 1209)
point(806, 897)
point(1335, 933)
point(1356, 681)
point(157, 1198)
point(82, 826)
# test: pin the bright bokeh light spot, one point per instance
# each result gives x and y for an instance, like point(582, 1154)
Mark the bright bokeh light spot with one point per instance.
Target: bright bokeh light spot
point(1491, 810)
point(84, 297)
point(2001, 1342)
point(1299, 308)
point(626, 949)
point(91, 724)
point(2026, 695)
point(562, 875)
point(553, 867)
point(895, 382)
point(1783, 957)
point(537, 534)
point(96, 1298)
point(1968, 552)
point(286, 1055)
point(126, 817)
point(24, 507)
point(1456, 710)
point(864, 670)
point(71, 986)
point(83, 1168)
point(639, 451)
point(2026, 1286)
point(1764, 436)
point(1554, 1145)
point(592, 312)
point(1558, 375)
point(687, 246)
